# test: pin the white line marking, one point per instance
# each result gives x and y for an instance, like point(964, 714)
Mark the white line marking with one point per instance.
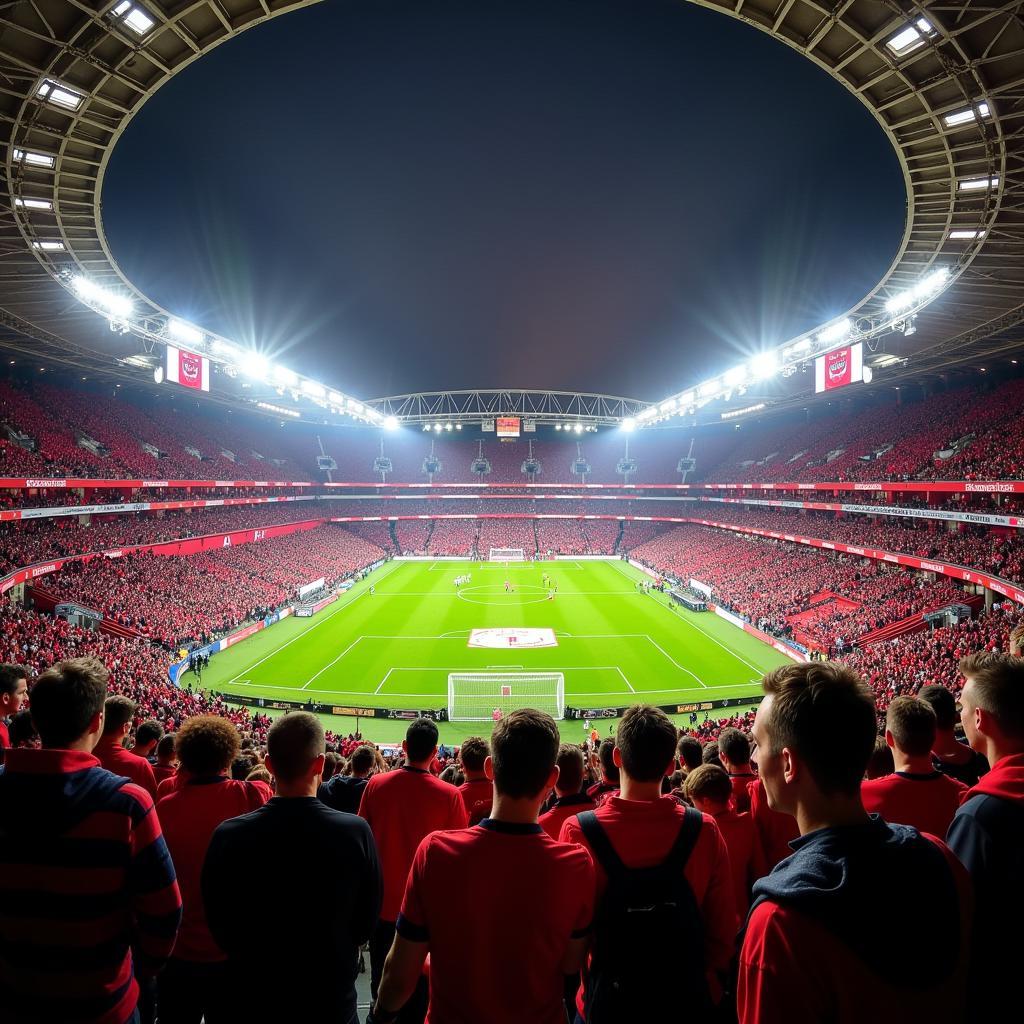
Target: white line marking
point(676, 663)
point(624, 679)
point(724, 648)
point(380, 685)
point(332, 662)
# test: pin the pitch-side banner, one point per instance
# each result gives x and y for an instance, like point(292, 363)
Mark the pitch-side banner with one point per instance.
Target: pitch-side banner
point(188, 369)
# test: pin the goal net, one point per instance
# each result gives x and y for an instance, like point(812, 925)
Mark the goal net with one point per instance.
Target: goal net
point(507, 555)
point(474, 696)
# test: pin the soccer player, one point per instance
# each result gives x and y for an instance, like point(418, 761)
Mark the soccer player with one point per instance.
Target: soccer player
point(915, 793)
point(90, 902)
point(641, 829)
point(987, 833)
point(477, 791)
point(195, 982)
point(496, 715)
point(508, 586)
point(309, 935)
point(402, 808)
point(505, 966)
point(117, 724)
point(813, 949)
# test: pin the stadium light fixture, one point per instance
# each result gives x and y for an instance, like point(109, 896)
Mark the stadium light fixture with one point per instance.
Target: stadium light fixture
point(286, 377)
point(59, 95)
point(708, 388)
point(390, 422)
point(924, 288)
point(911, 38)
point(687, 399)
point(449, 426)
point(185, 332)
point(438, 428)
point(256, 366)
point(48, 245)
point(966, 235)
point(96, 295)
point(629, 424)
point(313, 389)
point(764, 365)
point(578, 428)
point(736, 376)
point(33, 204)
point(34, 158)
point(978, 184)
point(966, 116)
point(834, 333)
point(134, 17)
point(458, 426)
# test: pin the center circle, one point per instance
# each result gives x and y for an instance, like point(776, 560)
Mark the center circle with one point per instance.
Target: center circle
point(494, 594)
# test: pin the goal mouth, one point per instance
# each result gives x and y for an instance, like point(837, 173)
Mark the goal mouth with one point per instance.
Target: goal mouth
point(487, 696)
point(507, 555)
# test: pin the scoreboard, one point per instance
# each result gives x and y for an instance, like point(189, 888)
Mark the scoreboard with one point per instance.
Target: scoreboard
point(508, 426)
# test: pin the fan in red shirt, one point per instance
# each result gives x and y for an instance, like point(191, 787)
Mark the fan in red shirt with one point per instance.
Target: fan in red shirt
point(502, 968)
point(609, 784)
point(570, 800)
point(915, 793)
point(13, 691)
point(813, 949)
point(166, 760)
point(775, 831)
point(477, 791)
point(117, 724)
point(642, 827)
point(194, 983)
point(402, 808)
point(710, 790)
point(734, 753)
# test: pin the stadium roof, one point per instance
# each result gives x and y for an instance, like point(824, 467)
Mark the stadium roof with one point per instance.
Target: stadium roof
point(944, 80)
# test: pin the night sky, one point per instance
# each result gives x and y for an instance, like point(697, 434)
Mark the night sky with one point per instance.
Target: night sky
point(620, 196)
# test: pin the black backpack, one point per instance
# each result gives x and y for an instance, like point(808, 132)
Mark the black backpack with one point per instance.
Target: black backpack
point(647, 957)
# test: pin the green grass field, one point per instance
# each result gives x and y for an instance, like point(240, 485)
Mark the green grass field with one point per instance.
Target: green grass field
point(395, 648)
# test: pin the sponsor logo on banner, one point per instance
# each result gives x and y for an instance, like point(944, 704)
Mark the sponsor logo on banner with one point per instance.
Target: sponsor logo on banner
point(46, 483)
point(932, 566)
point(855, 551)
point(226, 542)
point(259, 534)
point(155, 483)
point(113, 553)
point(42, 570)
point(994, 488)
point(864, 487)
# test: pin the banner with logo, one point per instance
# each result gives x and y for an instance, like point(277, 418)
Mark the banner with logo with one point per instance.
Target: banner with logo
point(188, 369)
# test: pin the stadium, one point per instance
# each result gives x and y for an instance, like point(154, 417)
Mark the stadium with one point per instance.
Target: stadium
point(237, 541)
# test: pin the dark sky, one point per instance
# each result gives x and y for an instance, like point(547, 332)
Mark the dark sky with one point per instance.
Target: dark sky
point(611, 195)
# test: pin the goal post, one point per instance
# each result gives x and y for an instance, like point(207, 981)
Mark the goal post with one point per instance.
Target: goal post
point(474, 696)
point(507, 555)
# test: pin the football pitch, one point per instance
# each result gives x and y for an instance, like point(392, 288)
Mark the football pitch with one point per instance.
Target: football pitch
point(395, 647)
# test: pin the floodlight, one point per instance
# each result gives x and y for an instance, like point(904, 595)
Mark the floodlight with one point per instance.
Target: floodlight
point(59, 95)
point(629, 424)
point(438, 428)
point(448, 426)
point(181, 331)
point(256, 366)
point(558, 426)
point(977, 184)
point(708, 388)
point(924, 288)
point(735, 376)
point(764, 365)
point(967, 115)
point(313, 389)
point(133, 17)
point(966, 235)
point(49, 245)
point(110, 302)
point(289, 378)
point(578, 428)
point(35, 159)
point(458, 426)
point(33, 204)
point(835, 332)
point(668, 406)
point(687, 399)
point(390, 422)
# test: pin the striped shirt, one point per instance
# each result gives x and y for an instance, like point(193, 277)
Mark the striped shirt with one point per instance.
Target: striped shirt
point(88, 895)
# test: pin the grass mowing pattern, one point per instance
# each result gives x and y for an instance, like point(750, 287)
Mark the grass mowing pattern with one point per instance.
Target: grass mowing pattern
point(395, 648)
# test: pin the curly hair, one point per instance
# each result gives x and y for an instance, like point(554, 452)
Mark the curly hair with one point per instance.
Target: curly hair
point(207, 745)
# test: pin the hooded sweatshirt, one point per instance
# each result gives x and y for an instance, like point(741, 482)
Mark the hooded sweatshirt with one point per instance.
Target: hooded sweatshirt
point(818, 945)
point(987, 835)
point(87, 890)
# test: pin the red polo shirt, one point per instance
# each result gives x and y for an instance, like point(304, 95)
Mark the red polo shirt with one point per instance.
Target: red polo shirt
point(775, 831)
point(928, 802)
point(563, 808)
point(402, 808)
point(477, 795)
point(642, 833)
point(503, 968)
point(116, 759)
point(189, 817)
point(163, 771)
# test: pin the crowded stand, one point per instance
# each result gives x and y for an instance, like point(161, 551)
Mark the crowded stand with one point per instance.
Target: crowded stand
point(454, 538)
point(506, 533)
point(562, 537)
point(413, 536)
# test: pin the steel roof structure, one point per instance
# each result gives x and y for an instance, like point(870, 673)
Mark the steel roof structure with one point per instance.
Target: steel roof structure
point(944, 80)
